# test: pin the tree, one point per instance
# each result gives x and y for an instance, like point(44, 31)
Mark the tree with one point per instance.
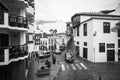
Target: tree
point(116, 28)
point(51, 31)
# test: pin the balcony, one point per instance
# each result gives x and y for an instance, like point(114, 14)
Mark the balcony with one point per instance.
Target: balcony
point(13, 22)
point(17, 21)
point(12, 54)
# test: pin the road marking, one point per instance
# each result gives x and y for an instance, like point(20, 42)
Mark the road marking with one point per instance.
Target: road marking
point(83, 66)
point(62, 62)
point(78, 66)
point(76, 61)
point(73, 67)
point(63, 67)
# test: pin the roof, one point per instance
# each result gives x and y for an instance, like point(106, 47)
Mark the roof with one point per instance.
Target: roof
point(93, 14)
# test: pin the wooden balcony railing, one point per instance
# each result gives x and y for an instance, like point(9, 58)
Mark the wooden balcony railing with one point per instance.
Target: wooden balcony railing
point(1, 17)
point(18, 21)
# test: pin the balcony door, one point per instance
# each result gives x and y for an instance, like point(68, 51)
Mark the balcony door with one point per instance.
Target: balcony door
point(4, 40)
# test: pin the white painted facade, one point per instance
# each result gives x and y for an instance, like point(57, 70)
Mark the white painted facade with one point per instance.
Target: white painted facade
point(95, 36)
point(12, 35)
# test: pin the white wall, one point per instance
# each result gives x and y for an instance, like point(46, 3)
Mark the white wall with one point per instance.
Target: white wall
point(103, 38)
point(84, 18)
point(22, 38)
point(88, 39)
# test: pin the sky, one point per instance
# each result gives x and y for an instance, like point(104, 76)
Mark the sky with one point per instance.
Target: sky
point(63, 10)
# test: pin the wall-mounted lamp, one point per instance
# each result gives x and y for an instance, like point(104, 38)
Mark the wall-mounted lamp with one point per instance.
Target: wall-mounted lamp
point(95, 33)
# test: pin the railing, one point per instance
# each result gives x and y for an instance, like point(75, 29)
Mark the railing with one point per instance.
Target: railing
point(1, 17)
point(12, 20)
point(13, 53)
point(18, 51)
point(1, 54)
point(18, 21)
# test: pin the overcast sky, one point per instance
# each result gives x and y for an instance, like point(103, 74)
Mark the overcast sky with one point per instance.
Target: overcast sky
point(63, 9)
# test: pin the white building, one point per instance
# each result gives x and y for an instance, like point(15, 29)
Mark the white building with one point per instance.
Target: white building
point(30, 13)
point(94, 38)
point(51, 42)
point(13, 48)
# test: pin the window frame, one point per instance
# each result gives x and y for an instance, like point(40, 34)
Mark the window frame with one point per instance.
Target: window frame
point(78, 31)
point(106, 27)
point(101, 48)
point(85, 29)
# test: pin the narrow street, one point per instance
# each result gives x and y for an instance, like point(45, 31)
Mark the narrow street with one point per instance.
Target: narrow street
point(80, 69)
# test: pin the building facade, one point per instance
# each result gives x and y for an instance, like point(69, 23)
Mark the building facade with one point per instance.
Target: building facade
point(30, 13)
point(13, 47)
point(50, 42)
point(94, 38)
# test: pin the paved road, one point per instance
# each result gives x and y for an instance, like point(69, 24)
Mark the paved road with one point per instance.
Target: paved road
point(82, 69)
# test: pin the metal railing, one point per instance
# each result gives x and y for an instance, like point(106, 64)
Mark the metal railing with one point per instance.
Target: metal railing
point(18, 21)
point(18, 51)
point(14, 52)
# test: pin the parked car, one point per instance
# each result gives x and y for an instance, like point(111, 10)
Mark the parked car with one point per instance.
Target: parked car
point(62, 48)
point(69, 57)
point(44, 54)
point(57, 52)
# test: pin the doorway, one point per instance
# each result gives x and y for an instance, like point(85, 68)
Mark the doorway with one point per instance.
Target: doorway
point(4, 40)
point(77, 49)
point(110, 55)
point(85, 52)
point(119, 55)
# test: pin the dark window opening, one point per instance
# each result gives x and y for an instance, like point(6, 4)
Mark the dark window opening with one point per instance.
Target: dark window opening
point(101, 47)
point(118, 43)
point(106, 27)
point(85, 43)
point(78, 31)
point(85, 29)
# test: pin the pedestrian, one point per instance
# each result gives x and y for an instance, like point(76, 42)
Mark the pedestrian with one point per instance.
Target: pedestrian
point(47, 63)
point(37, 57)
point(53, 58)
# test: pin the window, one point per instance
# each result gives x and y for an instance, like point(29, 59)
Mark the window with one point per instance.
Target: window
point(106, 27)
point(85, 43)
point(85, 52)
point(110, 45)
point(101, 47)
point(78, 31)
point(85, 29)
point(118, 43)
point(118, 33)
point(63, 41)
point(49, 41)
point(78, 42)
